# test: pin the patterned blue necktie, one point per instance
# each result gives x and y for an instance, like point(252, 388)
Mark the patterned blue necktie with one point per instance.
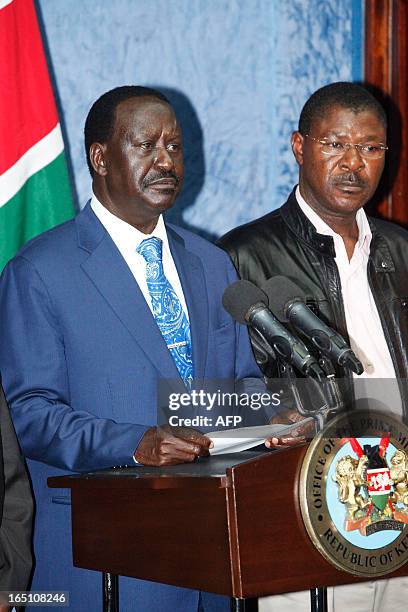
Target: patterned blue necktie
point(167, 309)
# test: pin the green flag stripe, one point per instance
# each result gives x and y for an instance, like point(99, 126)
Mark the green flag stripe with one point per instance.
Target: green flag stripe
point(44, 201)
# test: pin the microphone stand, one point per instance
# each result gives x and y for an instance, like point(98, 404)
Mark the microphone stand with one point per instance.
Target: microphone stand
point(330, 392)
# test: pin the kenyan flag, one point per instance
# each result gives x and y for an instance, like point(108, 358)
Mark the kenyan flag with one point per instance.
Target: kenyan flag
point(378, 474)
point(35, 192)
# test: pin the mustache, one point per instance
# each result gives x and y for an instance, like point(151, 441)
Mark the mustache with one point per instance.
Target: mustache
point(160, 174)
point(350, 178)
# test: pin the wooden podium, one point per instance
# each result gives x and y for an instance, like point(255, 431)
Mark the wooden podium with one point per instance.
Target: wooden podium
point(240, 511)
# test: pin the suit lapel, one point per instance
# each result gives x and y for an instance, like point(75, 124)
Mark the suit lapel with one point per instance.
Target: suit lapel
point(190, 270)
point(109, 272)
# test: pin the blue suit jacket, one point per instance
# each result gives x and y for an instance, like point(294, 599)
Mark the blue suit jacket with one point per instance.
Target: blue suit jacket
point(80, 357)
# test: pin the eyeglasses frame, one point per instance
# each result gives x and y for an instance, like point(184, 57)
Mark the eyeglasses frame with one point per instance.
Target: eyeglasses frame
point(348, 146)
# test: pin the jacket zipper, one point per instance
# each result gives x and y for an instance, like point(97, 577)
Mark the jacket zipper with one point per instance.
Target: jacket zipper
point(391, 348)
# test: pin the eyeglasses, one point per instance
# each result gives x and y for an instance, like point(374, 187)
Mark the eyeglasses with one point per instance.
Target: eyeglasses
point(335, 148)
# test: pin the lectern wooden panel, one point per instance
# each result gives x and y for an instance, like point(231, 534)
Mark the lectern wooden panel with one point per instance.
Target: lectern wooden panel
point(229, 525)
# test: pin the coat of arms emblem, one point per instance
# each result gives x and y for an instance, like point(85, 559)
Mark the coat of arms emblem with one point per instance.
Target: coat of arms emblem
point(353, 492)
point(374, 493)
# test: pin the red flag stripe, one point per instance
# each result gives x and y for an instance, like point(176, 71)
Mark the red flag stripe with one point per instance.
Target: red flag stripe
point(384, 442)
point(355, 445)
point(27, 106)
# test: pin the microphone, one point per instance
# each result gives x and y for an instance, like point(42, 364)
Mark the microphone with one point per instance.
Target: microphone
point(287, 301)
point(247, 304)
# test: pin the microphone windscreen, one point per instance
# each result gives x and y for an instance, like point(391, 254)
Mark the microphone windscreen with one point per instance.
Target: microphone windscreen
point(239, 297)
point(281, 290)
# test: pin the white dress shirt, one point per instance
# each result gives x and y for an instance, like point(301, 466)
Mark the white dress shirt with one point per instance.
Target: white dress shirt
point(127, 238)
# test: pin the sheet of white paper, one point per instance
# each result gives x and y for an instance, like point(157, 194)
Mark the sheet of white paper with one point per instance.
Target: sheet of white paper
point(242, 438)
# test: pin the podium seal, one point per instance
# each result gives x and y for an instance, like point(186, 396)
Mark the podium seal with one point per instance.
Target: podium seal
point(353, 492)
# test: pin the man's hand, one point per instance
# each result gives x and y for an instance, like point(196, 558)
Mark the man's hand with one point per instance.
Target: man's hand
point(4, 608)
point(297, 436)
point(171, 445)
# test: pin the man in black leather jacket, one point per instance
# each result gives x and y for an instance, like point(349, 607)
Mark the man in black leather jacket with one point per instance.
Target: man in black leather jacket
point(354, 270)
point(285, 242)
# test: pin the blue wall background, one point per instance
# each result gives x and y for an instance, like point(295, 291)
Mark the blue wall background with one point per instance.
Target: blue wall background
point(237, 71)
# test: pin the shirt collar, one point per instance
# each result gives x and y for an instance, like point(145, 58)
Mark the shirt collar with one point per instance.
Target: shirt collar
point(126, 237)
point(364, 231)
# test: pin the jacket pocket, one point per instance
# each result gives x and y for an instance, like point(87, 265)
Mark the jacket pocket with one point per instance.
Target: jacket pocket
point(60, 499)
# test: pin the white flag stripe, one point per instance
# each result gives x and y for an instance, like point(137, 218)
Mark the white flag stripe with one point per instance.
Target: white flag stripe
point(4, 3)
point(40, 155)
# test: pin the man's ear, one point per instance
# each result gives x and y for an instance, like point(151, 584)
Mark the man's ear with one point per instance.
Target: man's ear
point(97, 155)
point(297, 141)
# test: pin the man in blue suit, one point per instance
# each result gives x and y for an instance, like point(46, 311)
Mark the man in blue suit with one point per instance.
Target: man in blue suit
point(85, 313)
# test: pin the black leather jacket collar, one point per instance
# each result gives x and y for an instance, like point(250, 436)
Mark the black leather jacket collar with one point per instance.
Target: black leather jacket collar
point(297, 221)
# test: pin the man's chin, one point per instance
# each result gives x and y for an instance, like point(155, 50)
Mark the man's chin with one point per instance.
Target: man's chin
point(160, 202)
point(351, 200)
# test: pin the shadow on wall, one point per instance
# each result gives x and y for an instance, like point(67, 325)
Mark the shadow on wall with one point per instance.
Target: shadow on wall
point(394, 142)
point(194, 159)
